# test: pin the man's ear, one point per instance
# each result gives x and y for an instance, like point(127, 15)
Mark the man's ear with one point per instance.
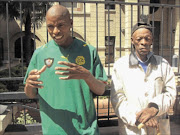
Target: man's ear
point(132, 40)
point(71, 23)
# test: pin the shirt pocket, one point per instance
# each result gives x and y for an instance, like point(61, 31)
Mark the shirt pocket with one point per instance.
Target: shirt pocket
point(158, 85)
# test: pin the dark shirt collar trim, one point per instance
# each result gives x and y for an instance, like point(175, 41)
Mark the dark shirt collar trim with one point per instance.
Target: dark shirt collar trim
point(133, 60)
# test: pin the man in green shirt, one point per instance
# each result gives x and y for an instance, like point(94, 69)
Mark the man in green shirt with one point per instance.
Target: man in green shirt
point(65, 72)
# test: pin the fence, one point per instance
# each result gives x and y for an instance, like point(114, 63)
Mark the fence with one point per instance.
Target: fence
point(105, 24)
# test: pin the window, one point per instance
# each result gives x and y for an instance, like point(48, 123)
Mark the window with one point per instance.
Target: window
point(111, 6)
point(156, 40)
point(154, 8)
point(69, 4)
point(109, 50)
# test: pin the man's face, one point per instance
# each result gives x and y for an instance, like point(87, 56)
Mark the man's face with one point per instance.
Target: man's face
point(59, 29)
point(142, 40)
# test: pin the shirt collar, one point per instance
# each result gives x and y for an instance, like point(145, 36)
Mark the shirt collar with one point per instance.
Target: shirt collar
point(70, 46)
point(148, 57)
point(133, 59)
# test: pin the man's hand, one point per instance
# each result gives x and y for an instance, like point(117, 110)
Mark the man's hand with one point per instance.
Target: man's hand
point(72, 71)
point(146, 114)
point(152, 123)
point(32, 82)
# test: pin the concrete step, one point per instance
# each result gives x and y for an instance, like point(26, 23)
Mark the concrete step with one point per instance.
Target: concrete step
point(6, 119)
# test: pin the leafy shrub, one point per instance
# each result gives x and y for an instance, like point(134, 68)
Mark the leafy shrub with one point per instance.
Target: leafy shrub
point(21, 118)
point(12, 85)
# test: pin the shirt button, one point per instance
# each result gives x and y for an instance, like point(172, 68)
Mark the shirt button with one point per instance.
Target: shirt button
point(146, 94)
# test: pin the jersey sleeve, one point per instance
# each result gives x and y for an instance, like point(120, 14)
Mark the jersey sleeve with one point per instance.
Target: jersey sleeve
point(98, 69)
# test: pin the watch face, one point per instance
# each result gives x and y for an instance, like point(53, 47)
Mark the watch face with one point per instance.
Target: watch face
point(48, 62)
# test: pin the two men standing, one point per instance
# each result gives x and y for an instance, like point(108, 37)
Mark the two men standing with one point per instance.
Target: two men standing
point(66, 71)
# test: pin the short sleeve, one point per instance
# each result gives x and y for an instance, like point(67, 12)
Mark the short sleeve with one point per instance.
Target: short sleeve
point(98, 69)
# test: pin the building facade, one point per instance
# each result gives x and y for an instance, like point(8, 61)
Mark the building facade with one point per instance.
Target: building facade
point(105, 25)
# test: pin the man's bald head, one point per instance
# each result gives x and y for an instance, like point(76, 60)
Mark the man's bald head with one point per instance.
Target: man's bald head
point(58, 10)
point(59, 24)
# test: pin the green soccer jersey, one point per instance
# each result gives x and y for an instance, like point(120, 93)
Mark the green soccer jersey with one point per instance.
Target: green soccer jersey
point(66, 106)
